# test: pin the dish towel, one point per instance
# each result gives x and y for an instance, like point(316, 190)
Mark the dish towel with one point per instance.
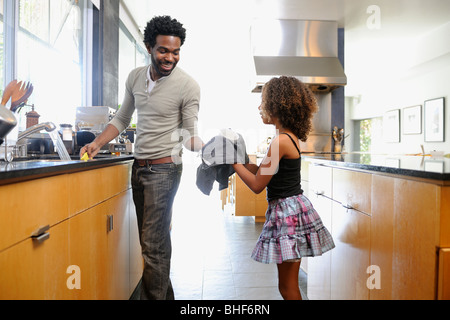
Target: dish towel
point(218, 155)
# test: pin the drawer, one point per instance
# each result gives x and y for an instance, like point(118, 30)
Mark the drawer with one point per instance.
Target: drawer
point(320, 181)
point(353, 189)
point(28, 206)
point(91, 187)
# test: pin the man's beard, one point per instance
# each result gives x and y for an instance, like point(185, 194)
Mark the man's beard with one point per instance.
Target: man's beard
point(156, 67)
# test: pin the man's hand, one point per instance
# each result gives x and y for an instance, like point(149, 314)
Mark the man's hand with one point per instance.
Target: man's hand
point(91, 149)
point(94, 147)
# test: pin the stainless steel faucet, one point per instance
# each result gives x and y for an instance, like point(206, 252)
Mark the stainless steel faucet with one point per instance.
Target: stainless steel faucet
point(48, 126)
point(20, 150)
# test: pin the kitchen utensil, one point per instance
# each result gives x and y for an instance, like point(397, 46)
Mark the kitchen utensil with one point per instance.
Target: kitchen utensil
point(8, 92)
point(21, 95)
point(7, 121)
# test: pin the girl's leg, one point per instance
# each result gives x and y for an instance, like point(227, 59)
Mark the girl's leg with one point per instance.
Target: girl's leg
point(288, 280)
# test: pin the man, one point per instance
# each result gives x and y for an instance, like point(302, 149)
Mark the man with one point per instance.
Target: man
point(167, 104)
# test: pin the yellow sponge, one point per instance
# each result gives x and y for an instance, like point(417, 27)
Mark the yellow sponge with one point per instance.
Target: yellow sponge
point(85, 157)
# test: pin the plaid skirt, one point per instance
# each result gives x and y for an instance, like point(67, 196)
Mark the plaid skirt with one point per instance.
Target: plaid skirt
point(293, 229)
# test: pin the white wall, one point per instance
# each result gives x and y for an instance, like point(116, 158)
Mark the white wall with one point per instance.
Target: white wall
point(217, 53)
point(395, 73)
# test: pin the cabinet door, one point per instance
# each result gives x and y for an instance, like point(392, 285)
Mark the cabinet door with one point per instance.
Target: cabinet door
point(319, 268)
point(118, 250)
point(444, 274)
point(350, 259)
point(136, 260)
point(88, 251)
point(382, 234)
point(416, 238)
point(99, 240)
point(33, 270)
point(247, 203)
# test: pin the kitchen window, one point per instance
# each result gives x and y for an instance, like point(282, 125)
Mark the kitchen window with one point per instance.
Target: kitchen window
point(49, 47)
point(369, 135)
point(52, 45)
point(365, 135)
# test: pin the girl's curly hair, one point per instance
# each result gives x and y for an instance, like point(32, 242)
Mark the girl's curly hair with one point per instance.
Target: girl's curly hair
point(163, 25)
point(292, 103)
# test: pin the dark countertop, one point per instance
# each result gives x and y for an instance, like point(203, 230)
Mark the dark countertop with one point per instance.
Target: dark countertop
point(434, 168)
point(26, 170)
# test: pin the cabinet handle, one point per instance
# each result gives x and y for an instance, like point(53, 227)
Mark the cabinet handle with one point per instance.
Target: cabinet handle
point(40, 231)
point(348, 207)
point(320, 193)
point(109, 222)
point(41, 238)
point(41, 234)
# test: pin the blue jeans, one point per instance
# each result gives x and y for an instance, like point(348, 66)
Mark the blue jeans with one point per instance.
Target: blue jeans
point(154, 189)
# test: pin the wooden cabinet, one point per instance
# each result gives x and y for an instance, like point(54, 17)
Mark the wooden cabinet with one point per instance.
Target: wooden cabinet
point(405, 238)
point(319, 268)
point(88, 188)
point(136, 260)
point(444, 274)
point(341, 272)
point(100, 245)
point(353, 189)
point(351, 257)
point(246, 202)
point(351, 234)
point(118, 248)
point(33, 270)
point(30, 205)
point(93, 227)
point(382, 234)
point(243, 200)
point(391, 234)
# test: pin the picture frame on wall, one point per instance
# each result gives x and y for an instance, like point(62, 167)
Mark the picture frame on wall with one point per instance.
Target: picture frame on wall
point(391, 126)
point(434, 120)
point(412, 120)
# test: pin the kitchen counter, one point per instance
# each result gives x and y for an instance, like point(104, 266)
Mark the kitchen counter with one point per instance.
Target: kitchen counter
point(59, 215)
point(426, 167)
point(389, 216)
point(26, 170)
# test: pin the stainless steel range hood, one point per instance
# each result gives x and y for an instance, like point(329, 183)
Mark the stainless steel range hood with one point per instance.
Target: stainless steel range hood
point(307, 50)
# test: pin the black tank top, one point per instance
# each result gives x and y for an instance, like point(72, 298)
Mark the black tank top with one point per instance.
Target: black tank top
point(286, 182)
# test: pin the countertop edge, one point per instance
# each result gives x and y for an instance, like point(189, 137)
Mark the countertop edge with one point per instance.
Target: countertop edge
point(52, 168)
point(436, 176)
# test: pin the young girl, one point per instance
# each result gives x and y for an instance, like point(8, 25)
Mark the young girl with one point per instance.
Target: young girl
point(293, 229)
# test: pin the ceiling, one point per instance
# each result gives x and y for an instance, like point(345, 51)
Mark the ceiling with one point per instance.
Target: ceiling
point(398, 16)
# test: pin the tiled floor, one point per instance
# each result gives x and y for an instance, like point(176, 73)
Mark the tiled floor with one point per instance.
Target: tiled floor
point(211, 250)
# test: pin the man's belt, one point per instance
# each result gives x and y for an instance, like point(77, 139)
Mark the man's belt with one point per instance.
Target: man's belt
point(149, 162)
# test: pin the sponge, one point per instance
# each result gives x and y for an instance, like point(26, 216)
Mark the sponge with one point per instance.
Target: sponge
point(85, 157)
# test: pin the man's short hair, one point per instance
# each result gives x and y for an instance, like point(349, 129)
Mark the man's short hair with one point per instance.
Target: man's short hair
point(163, 25)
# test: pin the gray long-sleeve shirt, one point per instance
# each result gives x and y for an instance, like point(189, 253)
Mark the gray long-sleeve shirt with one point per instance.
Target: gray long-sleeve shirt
point(166, 116)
